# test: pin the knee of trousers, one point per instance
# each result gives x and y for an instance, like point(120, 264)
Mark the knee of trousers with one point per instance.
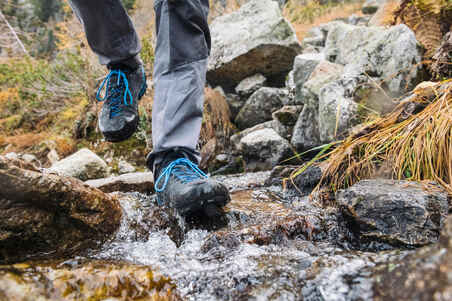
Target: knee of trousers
point(183, 34)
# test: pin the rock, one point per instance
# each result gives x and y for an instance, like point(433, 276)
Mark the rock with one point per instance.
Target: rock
point(46, 213)
point(125, 167)
point(371, 6)
point(250, 85)
point(12, 156)
point(390, 214)
point(254, 39)
point(337, 110)
point(391, 55)
point(288, 115)
point(306, 133)
point(30, 159)
point(358, 20)
point(260, 106)
point(140, 182)
point(53, 156)
point(275, 125)
point(308, 179)
point(83, 280)
point(264, 149)
point(422, 276)
point(83, 165)
point(304, 65)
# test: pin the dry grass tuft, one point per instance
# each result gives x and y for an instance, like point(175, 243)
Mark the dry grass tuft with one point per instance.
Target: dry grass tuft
point(414, 142)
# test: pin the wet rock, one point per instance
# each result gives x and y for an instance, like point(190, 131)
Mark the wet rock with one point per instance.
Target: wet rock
point(264, 149)
point(250, 85)
point(307, 180)
point(371, 6)
point(254, 39)
point(260, 106)
point(306, 133)
point(422, 276)
point(391, 55)
point(140, 182)
point(46, 213)
point(83, 280)
point(125, 167)
point(388, 213)
point(288, 115)
point(83, 165)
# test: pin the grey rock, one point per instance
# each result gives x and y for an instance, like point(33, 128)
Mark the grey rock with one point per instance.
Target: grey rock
point(371, 6)
point(277, 126)
point(306, 133)
point(132, 182)
point(254, 39)
point(304, 65)
point(250, 85)
point(264, 149)
point(83, 165)
point(308, 179)
point(288, 115)
point(125, 167)
point(389, 213)
point(30, 158)
point(12, 156)
point(391, 55)
point(260, 106)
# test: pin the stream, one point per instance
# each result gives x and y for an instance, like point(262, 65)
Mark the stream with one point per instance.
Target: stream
point(269, 244)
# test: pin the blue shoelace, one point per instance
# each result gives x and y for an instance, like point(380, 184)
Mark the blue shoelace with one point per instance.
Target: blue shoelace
point(114, 92)
point(183, 174)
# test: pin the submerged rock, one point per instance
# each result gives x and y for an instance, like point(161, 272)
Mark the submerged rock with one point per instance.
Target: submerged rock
point(254, 39)
point(83, 280)
point(83, 165)
point(46, 213)
point(132, 182)
point(388, 213)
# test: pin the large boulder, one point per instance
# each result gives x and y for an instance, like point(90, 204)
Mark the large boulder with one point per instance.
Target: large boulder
point(264, 149)
point(254, 39)
point(389, 213)
point(260, 106)
point(83, 165)
point(390, 56)
point(46, 213)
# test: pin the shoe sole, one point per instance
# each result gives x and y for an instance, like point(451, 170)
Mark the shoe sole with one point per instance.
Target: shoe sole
point(211, 207)
point(129, 129)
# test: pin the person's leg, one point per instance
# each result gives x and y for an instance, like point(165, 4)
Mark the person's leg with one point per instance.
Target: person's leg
point(109, 31)
point(182, 49)
point(183, 46)
point(111, 35)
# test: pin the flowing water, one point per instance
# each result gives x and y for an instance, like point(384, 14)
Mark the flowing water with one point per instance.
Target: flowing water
point(268, 245)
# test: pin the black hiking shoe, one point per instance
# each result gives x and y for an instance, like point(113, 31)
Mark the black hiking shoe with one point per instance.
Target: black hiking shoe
point(183, 186)
point(118, 119)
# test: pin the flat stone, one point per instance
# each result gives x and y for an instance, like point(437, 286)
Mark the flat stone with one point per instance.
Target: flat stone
point(83, 165)
point(133, 182)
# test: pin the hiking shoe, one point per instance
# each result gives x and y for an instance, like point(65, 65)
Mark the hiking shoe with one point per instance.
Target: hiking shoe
point(183, 186)
point(118, 119)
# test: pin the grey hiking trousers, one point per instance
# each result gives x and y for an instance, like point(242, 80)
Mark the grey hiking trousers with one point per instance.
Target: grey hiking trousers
point(182, 49)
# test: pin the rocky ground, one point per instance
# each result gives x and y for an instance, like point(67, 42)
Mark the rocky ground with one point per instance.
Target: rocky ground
point(83, 229)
